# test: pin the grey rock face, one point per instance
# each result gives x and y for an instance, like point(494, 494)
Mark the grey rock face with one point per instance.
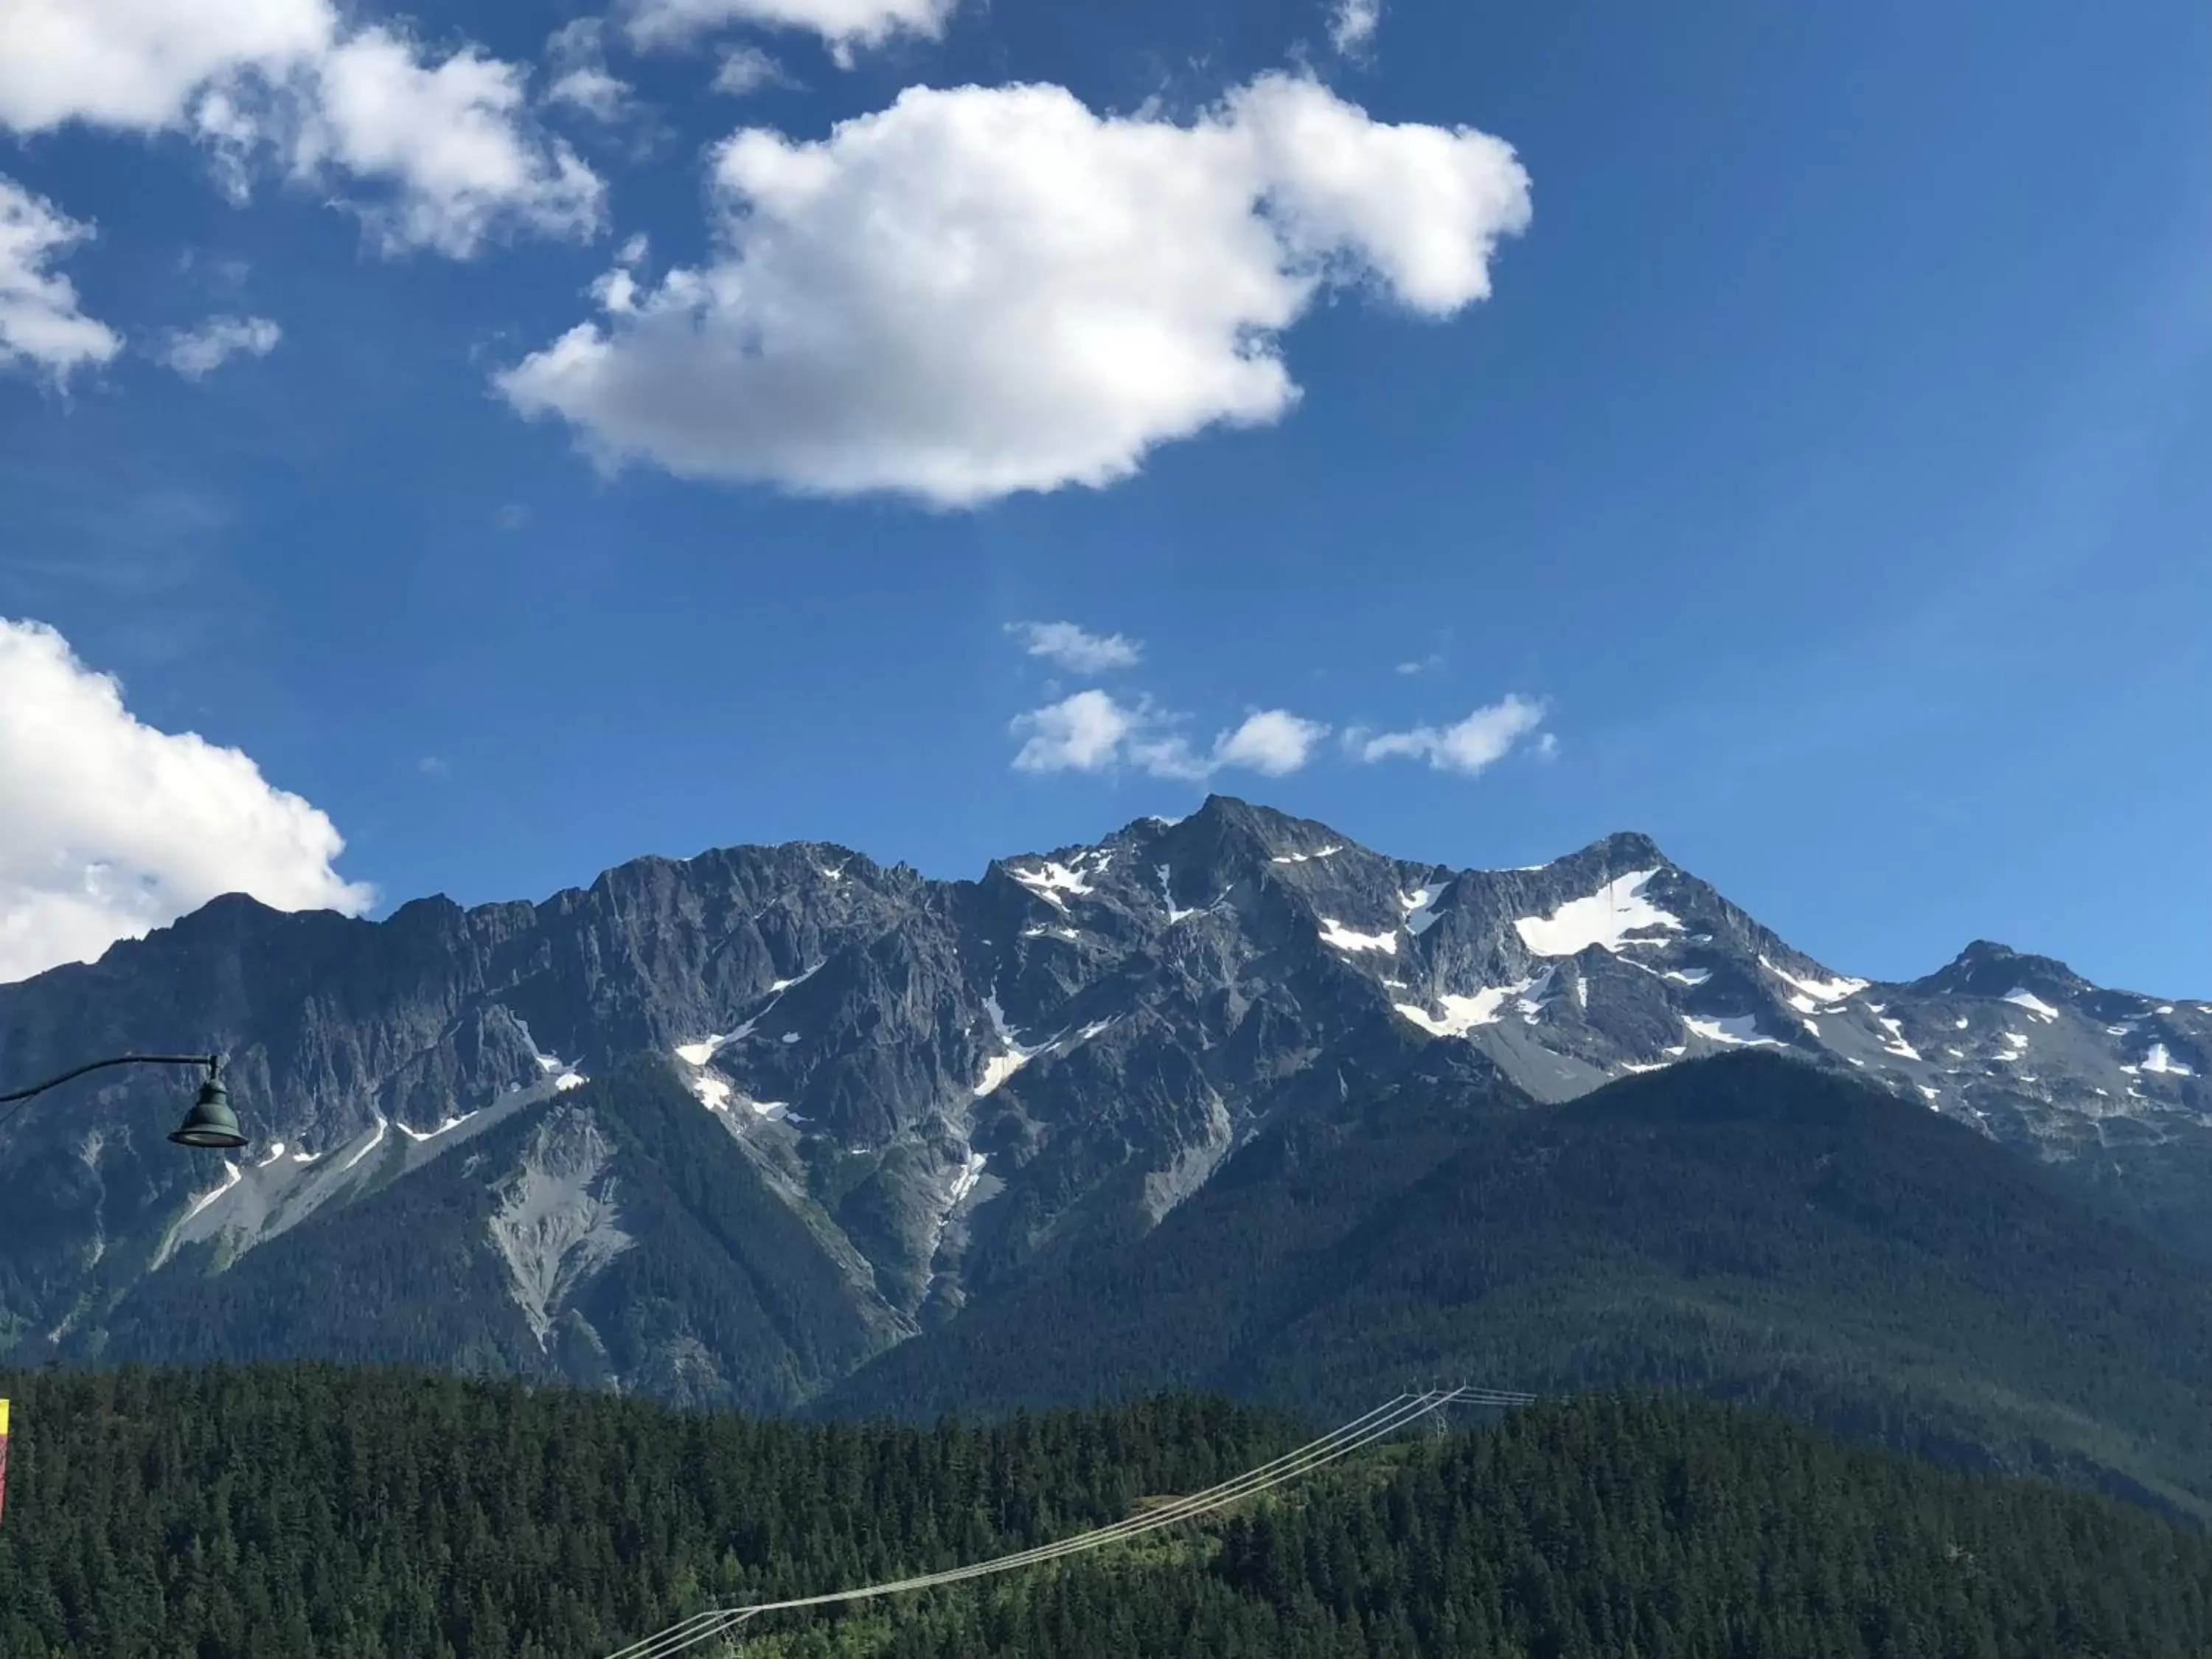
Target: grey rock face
point(948, 1083)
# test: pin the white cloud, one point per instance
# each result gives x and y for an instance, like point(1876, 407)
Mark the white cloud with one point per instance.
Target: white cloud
point(284, 80)
point(842, 24)
point(1353, 24)
point(1468, 746)
point(41, 326)
point(196, 352)
point(602, 96)
point(140, 65)
point(109, 827)
point(1082, 733)
point(984, 290)
point(449, 139)
point(1077, 651)
point(1091, 731)
point(1273, 741)
point(581, 79)
point(1428, 665)
point(744, 71)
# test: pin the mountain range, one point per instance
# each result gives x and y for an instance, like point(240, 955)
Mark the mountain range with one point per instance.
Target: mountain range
point(781, 1126)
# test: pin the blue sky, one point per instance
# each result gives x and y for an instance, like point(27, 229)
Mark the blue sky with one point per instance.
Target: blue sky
point(1827, 462)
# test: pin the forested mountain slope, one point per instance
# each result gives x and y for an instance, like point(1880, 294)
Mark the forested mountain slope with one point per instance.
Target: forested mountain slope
point(1746, 1227)
point(302, 1512)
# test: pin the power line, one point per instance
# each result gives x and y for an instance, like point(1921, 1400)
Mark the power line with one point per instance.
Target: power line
point(1385, 1420)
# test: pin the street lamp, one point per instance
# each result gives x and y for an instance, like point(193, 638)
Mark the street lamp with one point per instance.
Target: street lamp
point(210, 1123)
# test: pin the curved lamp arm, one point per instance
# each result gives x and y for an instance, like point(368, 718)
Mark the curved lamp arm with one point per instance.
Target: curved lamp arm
point(213, 1062)
point(210, 1124)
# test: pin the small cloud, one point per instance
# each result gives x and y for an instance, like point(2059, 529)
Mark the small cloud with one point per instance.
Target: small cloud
point(1548, 746)
point(1082, 733)
point(196, 352)
point(1273, 741)
point(1468, 746)
point(1092, 732)
point(602, 96)
point(582, 80)
point(1351, 26)
point(843, 25)
point(434, 766)
point(1428, 665)
point(747, 69)
point(41, 325)
point(512, 516)
point(1076, 650)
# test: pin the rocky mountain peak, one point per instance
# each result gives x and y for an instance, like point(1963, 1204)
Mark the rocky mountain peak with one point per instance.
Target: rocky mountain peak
point(1988, 968)
point(943, 1083)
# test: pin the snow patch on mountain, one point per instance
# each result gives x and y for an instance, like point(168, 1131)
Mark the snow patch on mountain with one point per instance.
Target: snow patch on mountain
point(1049, 881)
point(1167, 893)
point(1420, 905)
point(2034, 1004)
point(1897, 1045)
point(1535, 996)
point(1735, 1030)
point(232, 1175)
point(704, 1050)
point(1338, 937)
point(1000, 1067)
point(964, 1183)
point(376, 1139)
point(2158, 1060)
point(1607, 917)
point(1828, 991)
point(1461, 1014)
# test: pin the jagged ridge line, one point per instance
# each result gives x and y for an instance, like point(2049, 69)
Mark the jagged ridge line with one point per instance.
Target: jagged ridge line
point(1383, 1421)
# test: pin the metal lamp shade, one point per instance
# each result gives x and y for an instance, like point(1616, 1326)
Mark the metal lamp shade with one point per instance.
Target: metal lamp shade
point(210, 1123)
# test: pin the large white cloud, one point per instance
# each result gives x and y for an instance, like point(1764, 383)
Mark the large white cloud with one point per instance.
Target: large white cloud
point(1092, 732)
point(843, 24)
point(1467, 746)
point(109, 827)
point(984, 290)
point(42, 327)
point(447, 137)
